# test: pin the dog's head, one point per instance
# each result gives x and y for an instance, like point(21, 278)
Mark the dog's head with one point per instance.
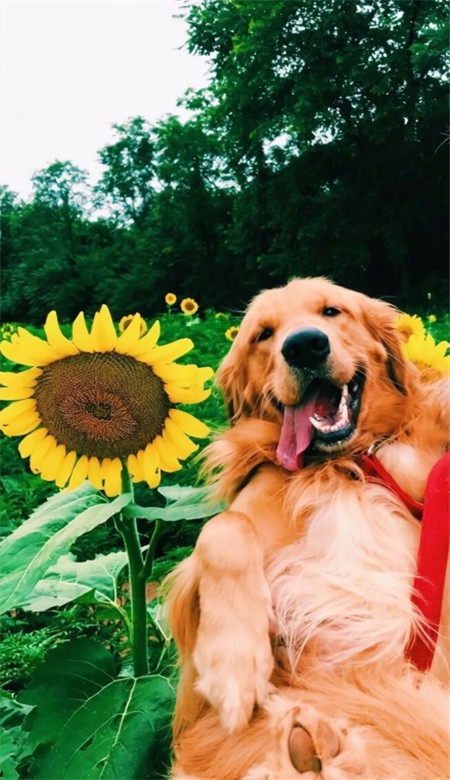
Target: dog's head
point(323, 361)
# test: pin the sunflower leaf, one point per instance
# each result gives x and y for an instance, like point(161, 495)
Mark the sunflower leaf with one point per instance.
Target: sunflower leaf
point(70, 579)
point(29, 552)
point(183, 503)
point(121, 731)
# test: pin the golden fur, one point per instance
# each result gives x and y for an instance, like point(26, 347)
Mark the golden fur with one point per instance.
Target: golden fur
point(293, 613)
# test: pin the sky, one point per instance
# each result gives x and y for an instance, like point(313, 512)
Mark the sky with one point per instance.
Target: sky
point(72, 68)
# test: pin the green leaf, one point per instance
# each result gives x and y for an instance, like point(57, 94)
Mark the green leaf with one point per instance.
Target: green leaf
point(12, 736)
point(70, 579)
point(184, 503)
point(29, 552)
point(71, 673)
point(122, 731)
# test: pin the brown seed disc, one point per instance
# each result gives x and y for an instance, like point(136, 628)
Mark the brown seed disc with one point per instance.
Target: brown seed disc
point(101, 403)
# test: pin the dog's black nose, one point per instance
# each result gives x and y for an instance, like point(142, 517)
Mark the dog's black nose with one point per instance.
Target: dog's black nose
point(305, 348)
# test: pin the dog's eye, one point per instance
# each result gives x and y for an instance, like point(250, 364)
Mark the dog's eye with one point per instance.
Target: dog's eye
point(264, 334)
point(331, 311)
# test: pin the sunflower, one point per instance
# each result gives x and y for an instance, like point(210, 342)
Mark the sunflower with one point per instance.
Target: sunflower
point(188, 306)
point(89, 404)
point(170, 299)
point(426, 354)
point(432, 318)
point(409, 325)
point(128, 319)
point(231, 333)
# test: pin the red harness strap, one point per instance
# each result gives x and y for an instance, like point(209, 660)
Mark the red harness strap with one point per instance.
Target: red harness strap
point(433, 552)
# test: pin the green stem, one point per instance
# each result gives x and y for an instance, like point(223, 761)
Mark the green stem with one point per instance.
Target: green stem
point(129, 531)
point(148, 563)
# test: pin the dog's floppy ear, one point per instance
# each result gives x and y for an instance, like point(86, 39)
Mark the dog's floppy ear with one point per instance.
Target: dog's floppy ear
point(232, 379)
point(380, 318)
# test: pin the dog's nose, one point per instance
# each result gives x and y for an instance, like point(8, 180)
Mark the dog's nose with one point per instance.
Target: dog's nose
point(305, 348)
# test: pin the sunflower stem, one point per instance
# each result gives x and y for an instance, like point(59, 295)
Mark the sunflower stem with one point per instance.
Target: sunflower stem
point(148, 562)
point(129, 530)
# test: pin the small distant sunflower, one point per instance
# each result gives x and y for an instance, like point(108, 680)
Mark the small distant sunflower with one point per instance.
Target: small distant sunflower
point(87, 405)
point(188, 306)
point(170, 299)
point(426, 354)
point(410, 324)
point(128, 319)
point(432, 318)
point(231, 333)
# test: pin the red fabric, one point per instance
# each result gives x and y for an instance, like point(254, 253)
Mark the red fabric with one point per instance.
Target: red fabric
point(433, 552)
point(432, 563)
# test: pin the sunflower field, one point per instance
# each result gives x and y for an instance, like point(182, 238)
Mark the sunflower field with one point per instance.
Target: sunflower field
point(91, 526)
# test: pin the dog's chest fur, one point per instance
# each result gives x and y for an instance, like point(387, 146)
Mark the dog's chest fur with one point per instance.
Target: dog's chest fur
point(343, 589)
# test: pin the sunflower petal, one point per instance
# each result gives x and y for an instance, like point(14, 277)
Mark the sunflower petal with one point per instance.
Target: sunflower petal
point(151, 466)
point(134, 468)
point(56, 339)
point(94, 473)
point(205, 373)
point(40, 452)
point(167, 457)
point(18, 354)
point(185, 376)
point(169, 352)
point(181, 395)
point(79, 473)
point(40, 349)
point(189, 424)
point(147, 342)
point(27, 423)
point(53, 462)
point(129, 338)
point(27, 445)
point(65, 469)
point(16, 410)
point(112, 473)
point(15, 393)
point(103, 332)
point(80, 334)
point(182, 443)
point(20, 379)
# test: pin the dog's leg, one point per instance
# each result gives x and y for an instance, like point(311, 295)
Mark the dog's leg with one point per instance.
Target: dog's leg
point(232, 653)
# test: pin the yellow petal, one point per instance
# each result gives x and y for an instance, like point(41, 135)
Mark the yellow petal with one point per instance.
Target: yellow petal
point(18, 354)
point(33, 345)
point(21, 379)
point(20, 427)
point(103, 332)
point(27, 445)
point(94, 473)
point(167, 457)
point(65, 469)
point(80, 334)
point(189, 424)
point(112, 474)
point(56, 339)
point(147, 342)
point(15, 393)
point(185, 376)
point(79, 473)
point(204, 374)
point(134, 468)
point(169, 352)
point(182, 444)
point(40, 452)
point(53, 462)
point(181, 395)
point(151, 466)
point(129, 338)
point(15, 411)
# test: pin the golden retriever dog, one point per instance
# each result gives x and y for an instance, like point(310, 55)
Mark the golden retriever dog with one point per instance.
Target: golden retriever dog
point(296, 616)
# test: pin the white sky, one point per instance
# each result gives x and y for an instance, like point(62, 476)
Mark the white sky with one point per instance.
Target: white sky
point(72, 68)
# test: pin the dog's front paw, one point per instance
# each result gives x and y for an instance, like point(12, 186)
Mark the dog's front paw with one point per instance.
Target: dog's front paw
point(234, 673)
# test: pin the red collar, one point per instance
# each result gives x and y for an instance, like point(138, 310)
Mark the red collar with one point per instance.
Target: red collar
point(428, 591)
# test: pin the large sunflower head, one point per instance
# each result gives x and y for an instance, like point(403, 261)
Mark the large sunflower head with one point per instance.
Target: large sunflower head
point(89, 404)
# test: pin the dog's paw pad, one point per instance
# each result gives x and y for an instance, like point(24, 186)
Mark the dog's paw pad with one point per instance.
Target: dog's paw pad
point(302, 751)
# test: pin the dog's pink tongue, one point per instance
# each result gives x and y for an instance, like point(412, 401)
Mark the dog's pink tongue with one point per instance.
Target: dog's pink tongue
point(296, 434)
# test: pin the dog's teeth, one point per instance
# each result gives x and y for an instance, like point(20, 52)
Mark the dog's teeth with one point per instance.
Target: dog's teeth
point(316, 423)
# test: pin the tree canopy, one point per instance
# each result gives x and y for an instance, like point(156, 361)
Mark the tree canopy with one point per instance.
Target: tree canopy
point(318, 147)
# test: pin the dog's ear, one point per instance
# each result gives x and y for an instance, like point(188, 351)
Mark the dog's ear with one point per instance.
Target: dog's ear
point(380, 318)
point(232, 379)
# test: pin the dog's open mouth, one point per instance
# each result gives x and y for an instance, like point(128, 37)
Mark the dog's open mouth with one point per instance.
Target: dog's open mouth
point(325, 419)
